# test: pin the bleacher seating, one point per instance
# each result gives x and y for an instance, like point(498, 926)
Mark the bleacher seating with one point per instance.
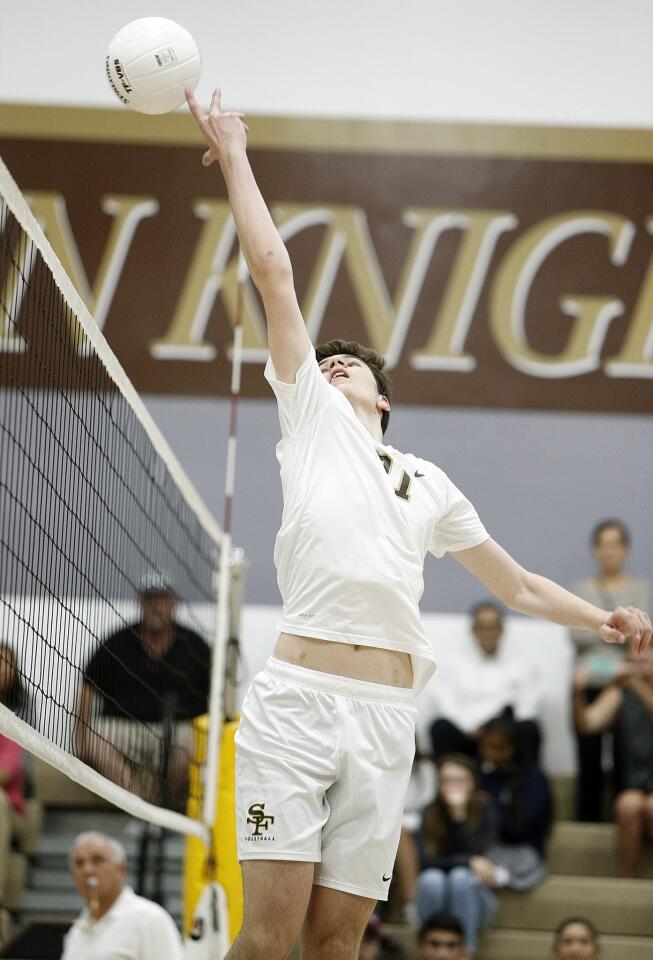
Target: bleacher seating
point(581, 880)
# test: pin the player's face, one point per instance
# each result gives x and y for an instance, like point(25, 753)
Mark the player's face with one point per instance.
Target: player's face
point(610, 550)
point(440, 945)
point(95, 871)
point(487, 630)
point(353, 378)
point(576, 943)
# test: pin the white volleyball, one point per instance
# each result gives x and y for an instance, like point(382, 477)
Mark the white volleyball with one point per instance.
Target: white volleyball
point(149, 63)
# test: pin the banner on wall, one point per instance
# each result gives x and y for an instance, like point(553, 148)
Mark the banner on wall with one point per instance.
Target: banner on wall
point(492, 266)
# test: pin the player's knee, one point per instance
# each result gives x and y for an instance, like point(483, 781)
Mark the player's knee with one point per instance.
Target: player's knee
point(337, 944)
point(272, 940)
point(628, 805)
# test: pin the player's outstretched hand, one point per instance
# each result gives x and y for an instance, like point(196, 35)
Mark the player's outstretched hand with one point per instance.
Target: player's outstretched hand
point(224, 132)
point(627, 622)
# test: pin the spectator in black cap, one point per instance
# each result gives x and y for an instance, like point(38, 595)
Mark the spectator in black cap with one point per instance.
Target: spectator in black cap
point(141, 688)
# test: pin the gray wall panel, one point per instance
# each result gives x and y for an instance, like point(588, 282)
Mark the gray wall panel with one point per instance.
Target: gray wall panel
point(540, 481)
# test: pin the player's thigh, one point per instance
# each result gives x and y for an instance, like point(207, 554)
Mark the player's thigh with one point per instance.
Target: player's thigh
point(360, 839)
point(334, 925)
point(276, 894)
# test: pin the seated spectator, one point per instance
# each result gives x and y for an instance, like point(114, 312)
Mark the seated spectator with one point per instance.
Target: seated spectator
point(576, 939)
point(441, 938)
point(458, 828)
point(420, 793)
point(12, 773)
point(610, 587)
point(12, 689)
point(626, 706)
point(375, 945)
point(485, 684)
point(115, 923)
point(141, 688)
point(523, 800)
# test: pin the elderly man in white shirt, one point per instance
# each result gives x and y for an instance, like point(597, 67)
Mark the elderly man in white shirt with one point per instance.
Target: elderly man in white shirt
point(489, 683)
point(115, 924)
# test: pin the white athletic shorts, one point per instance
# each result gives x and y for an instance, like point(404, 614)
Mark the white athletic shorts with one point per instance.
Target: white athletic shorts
point(322, 767)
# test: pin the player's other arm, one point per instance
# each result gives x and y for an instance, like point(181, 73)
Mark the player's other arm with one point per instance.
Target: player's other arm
point(264, 250)
point(529, 593)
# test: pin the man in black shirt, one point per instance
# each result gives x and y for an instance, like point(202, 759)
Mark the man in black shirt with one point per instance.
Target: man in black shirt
point(141, 689)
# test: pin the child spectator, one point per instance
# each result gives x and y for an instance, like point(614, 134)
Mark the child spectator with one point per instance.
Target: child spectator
point(441, 938)
point(523, 800)
point(576, 939)
point(459, 826)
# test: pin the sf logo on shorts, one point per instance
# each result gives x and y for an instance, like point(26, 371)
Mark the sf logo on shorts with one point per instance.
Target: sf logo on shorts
point(259, 818)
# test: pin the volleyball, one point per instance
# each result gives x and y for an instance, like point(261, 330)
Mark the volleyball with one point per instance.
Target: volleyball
point(149, 63)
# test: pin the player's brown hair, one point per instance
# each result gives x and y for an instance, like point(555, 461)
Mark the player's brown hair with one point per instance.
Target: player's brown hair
point(370, 358)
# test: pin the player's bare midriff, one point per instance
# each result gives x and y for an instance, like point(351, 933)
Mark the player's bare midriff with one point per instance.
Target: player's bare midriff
point(390, 667)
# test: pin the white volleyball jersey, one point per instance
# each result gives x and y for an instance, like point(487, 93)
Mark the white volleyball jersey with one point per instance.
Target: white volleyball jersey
point(358, 520)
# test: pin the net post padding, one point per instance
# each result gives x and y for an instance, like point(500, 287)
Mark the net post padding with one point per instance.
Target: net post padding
point(199, 868)
point(29, 739)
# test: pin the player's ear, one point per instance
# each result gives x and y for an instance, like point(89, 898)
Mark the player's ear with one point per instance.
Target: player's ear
point(382, 403)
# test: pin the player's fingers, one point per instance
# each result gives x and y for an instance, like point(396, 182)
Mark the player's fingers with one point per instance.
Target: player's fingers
point(208, 159)
point(633, 626)
point(626, 621)
point(645, 631)
point(216, 102)
point(193, 105)
point(610, 635)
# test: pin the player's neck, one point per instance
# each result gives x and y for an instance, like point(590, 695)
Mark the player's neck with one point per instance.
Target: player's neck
point(371, 421)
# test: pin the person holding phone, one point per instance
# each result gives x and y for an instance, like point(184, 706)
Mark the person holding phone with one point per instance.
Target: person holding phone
point(611, 584)
point(625, 706)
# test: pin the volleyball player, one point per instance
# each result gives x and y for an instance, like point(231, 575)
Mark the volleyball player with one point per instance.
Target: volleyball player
point(326, 738)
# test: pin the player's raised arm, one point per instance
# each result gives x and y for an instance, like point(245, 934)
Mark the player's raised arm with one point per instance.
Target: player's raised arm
point(529, 593)
point(265, 252)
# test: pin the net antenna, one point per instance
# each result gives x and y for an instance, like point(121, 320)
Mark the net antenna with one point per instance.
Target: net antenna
point(92, 499)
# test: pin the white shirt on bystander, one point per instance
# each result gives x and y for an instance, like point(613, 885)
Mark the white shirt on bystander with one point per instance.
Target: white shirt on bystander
point(133, 929)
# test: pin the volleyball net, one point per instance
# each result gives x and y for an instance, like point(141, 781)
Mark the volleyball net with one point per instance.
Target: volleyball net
point(115, 579)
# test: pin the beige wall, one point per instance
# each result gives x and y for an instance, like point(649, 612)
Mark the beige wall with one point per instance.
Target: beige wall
point(580, 62)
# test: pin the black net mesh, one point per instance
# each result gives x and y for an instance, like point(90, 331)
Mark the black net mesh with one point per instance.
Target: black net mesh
point(106, 572)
